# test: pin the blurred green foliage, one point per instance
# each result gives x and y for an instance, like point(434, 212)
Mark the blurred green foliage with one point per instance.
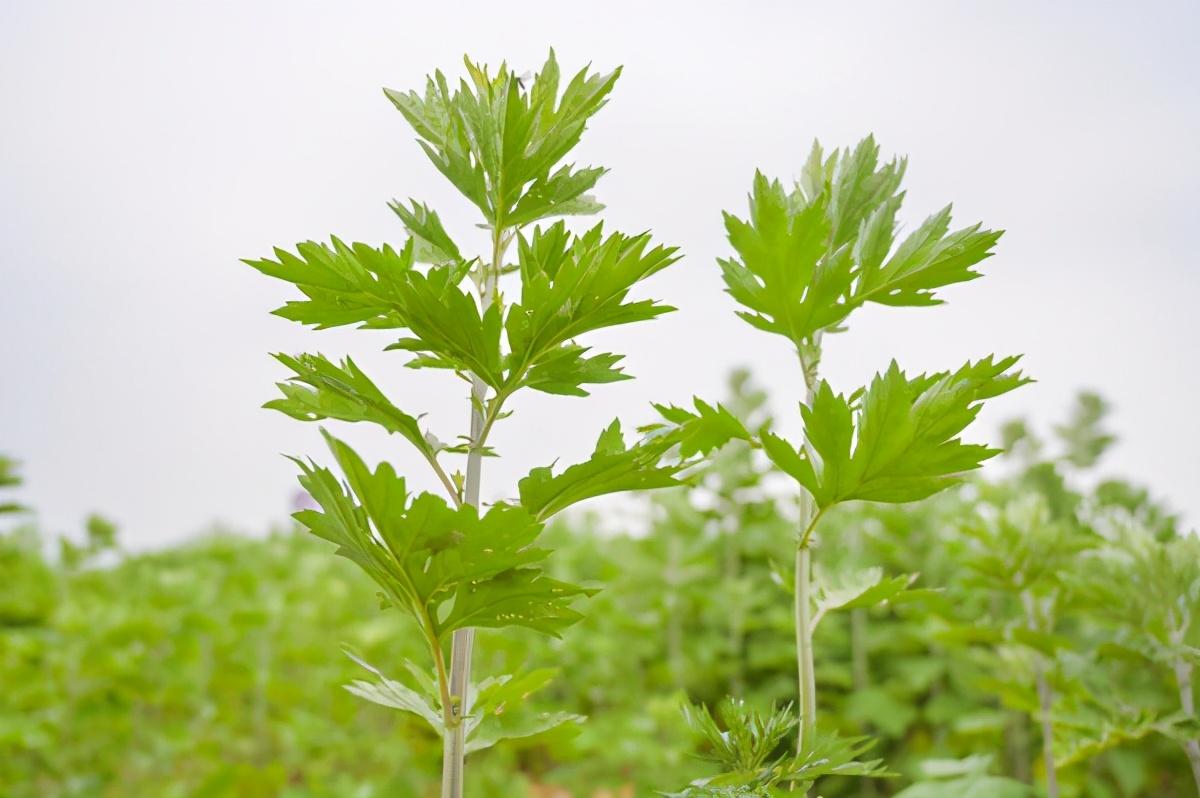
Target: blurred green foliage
point(205, 669)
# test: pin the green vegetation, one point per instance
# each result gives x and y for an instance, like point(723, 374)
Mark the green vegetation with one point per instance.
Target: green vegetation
point(806, 260)
point(1034, 631)
point(205, 670)
point(450, 566)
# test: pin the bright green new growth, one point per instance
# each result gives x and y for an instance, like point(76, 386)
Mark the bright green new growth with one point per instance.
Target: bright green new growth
point(501, 141)
point(744, 746)
point(806, 259)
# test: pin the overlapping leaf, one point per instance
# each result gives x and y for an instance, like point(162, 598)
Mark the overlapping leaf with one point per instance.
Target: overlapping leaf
point(380, 289)
point(571, 285)
point(449, 567)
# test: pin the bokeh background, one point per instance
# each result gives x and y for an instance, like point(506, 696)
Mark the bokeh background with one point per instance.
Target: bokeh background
point(146, 146)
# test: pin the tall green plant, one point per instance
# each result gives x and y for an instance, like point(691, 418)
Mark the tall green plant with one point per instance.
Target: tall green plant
point(806, 259)
point(502, 142)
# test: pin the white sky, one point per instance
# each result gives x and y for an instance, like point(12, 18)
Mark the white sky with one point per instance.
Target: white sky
point(146, 146)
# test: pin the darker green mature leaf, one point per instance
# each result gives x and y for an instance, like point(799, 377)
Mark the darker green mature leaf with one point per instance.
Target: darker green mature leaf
point(903, 444)
point(499, 143)
point(448, 567)
point(342, 392)
point(345, 284)
point(807, 258)
point(448, 329)
point(379, 289)
point(612, 468)
point(571, 285)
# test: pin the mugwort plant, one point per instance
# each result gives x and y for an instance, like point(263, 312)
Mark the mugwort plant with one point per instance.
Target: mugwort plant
point(504, 321)
point(806, 259)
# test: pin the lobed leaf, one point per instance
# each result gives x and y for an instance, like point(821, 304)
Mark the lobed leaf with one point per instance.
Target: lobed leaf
point(807, 258)
point(612, 468)
point(450, 568)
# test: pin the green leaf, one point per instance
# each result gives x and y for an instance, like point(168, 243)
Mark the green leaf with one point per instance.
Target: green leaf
point(612, 468)
point(867, 587)
point(390, 693)
point(321, 389)
point(501, 143)
point(565, 369)
point(703, 431)
point(902, 444)
point(742, 743)
point(780, 250)
point(572, 285)
point(808, 258)
point(448, 567)
point(448, 330)
point(424, 225)
point(344, 284)
point(500, 711)
point(963, 778)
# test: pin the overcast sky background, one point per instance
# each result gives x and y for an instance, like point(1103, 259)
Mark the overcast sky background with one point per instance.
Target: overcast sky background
point(146, 146)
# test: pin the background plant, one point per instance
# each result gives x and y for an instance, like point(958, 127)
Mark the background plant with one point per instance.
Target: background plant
point(806, 259)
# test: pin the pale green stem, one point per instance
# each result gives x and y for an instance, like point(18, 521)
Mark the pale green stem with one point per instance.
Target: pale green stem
point(1187, 701)
point(674, 617)
point(1045, 694)
point(804, 647)
point(805, 667)
point(454, 750)
point(737, 618)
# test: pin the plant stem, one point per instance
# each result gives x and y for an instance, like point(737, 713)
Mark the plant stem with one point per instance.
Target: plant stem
point(806, 671)
point(1187, 701)
point(455, 745)
point(804, 647)
point(731, 573)
point(1045, 694)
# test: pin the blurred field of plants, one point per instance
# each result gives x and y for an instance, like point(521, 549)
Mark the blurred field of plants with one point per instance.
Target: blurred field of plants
point(1039, 599)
